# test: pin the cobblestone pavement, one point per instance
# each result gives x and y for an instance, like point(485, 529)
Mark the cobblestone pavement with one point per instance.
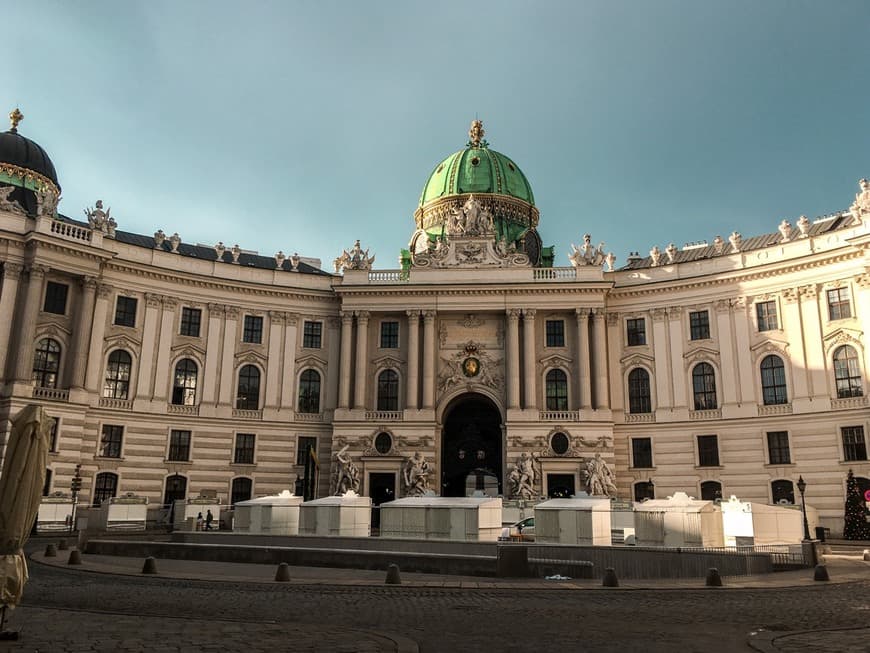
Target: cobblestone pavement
point(71, 610)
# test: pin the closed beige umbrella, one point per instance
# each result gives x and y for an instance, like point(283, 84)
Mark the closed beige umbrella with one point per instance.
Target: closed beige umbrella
point(20, 493)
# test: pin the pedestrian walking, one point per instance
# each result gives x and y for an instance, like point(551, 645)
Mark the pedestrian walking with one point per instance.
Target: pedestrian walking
point(209, 518)
point(199, 522)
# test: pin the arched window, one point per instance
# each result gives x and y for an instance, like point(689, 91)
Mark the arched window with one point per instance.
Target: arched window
point(248, 395)
point(638, 391)
point(309, 392)
point(46, 363)
point(388, 390)
point(782, 491)
point(773, 390)
point(241, 489)
point(711, 490)
point(847, 373)
point(176, 490)
point(557, 390)
point(704, 386)
point(118, 375)
point(184, 383)
point(105, 487)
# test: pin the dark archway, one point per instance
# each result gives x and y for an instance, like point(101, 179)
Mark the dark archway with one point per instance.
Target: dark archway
point(471, 444)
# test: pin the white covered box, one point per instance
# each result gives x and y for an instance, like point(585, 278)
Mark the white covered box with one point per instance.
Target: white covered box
point(128, 513)
point(349, 515)
point(186, 511)
point(467, 519)
point(55, 514)
point(678, 520)
point(272, 515)
point(781, 524)
point(581, 520)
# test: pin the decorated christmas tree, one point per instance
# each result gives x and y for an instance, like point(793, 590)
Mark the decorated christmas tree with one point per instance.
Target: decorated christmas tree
point(856, 525)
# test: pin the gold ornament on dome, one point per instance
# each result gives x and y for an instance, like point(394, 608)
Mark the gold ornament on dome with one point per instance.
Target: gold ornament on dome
point(475, 134)
point(15, 116)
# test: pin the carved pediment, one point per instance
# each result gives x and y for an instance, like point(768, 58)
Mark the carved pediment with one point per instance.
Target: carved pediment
point(122, 341)
point(843, 336)
point(53, 330)
point(699, 354)
point(250, 357)
point(188, 349)
point(769, 346)
point(311, 360)
point(634, 359)
point(555, 360)
point(388, 361)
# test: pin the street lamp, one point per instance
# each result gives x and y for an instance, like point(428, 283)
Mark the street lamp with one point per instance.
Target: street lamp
point(802, 485)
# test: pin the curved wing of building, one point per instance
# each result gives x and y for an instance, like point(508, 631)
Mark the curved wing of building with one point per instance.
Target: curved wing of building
point(482, 364)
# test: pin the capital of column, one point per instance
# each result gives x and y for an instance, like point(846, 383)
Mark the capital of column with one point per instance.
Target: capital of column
point(598, 313)
point(333, 322)
point(291, 318)
point(232, 312)
point(88, 283)
point(675, 311)
point(659, 314)
point(413, 314)
point(790, 295)
point(529, 313)
point(809, 291)
point(612, 319)
point(170, 303)
point(429, 316)
point(346, 317)
point(582, 313)
point(152, 300)
point(277, 317)
point(12, 270)
point(513, 314)
point(104, 290)
point(863, 280)
point(722, 306)
point(37, 271)
point(362, 316)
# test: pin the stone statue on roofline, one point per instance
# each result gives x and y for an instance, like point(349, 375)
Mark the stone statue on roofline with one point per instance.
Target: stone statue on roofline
point(587, 254)
point(354, 259)
point(7, 204)
point(860, 208)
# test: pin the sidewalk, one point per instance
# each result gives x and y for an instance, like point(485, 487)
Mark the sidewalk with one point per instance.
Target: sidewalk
point(842, 568)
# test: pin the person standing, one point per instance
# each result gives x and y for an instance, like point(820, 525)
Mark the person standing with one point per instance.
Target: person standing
point(199, 522)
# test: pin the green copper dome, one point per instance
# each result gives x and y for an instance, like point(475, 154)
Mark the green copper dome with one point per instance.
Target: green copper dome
point(477, 169)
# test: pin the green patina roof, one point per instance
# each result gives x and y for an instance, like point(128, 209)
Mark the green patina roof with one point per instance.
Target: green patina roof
point(477, 169)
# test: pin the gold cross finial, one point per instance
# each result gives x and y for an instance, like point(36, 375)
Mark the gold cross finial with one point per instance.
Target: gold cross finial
point(14, 118)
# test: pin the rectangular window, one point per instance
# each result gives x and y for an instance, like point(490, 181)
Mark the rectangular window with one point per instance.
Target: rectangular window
point(854, 445)
point(641, 452)
point(311, 333)
point(179, 445)
point(708, 451)
point(55, 423)
point(303, 445)
point(839, 307)
point(699, 325)
point(767, 317)
point(190, 320)
point(555, 333)
point(777, 448)
point(110, 442)
point(253, 331)
point(636, 328)
point(125, 311)
point(244, 454)
point(389, 335)
point(55, 298)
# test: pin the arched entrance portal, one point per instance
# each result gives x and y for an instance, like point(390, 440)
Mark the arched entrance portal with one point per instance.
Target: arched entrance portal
point(471, 447)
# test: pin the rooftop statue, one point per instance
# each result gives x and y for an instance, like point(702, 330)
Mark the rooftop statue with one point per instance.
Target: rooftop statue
point(587, 254)
point(475, 134)
point(355, 259)
point(861, 207)
point(97, 218)
point(7, 204)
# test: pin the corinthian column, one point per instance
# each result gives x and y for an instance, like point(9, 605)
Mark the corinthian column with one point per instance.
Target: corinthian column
point(26, 326)
point(93, 365)
point(583, 371)
point(512, 359)
point(413, 358)
point(428, 359)
point(344, 357)
point(362, 349)
point(84, 326)
point(599, 361)
point(11, 275)
point(530, 399)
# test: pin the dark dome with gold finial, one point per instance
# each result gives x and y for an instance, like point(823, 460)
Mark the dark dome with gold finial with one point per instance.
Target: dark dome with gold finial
point(25, 165)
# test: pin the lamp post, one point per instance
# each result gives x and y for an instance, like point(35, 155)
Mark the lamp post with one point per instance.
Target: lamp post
point(802, 485)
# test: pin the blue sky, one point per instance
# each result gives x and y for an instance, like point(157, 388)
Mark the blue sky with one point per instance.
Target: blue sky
point(303, 125)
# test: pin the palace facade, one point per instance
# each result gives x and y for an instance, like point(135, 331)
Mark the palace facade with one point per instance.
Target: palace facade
point(496, 363)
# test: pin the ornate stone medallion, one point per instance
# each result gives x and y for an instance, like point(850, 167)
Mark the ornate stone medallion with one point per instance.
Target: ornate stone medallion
point(471, 366)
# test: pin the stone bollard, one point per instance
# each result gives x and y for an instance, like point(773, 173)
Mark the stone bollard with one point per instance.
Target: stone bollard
point(150, 566)
point(283, 573)
point(75, 557)
point(50, 551)
point(393, 575)
point(821, 573)
point(713, 578)
point(62, 545)
point(610, 579)
point(866, 555)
